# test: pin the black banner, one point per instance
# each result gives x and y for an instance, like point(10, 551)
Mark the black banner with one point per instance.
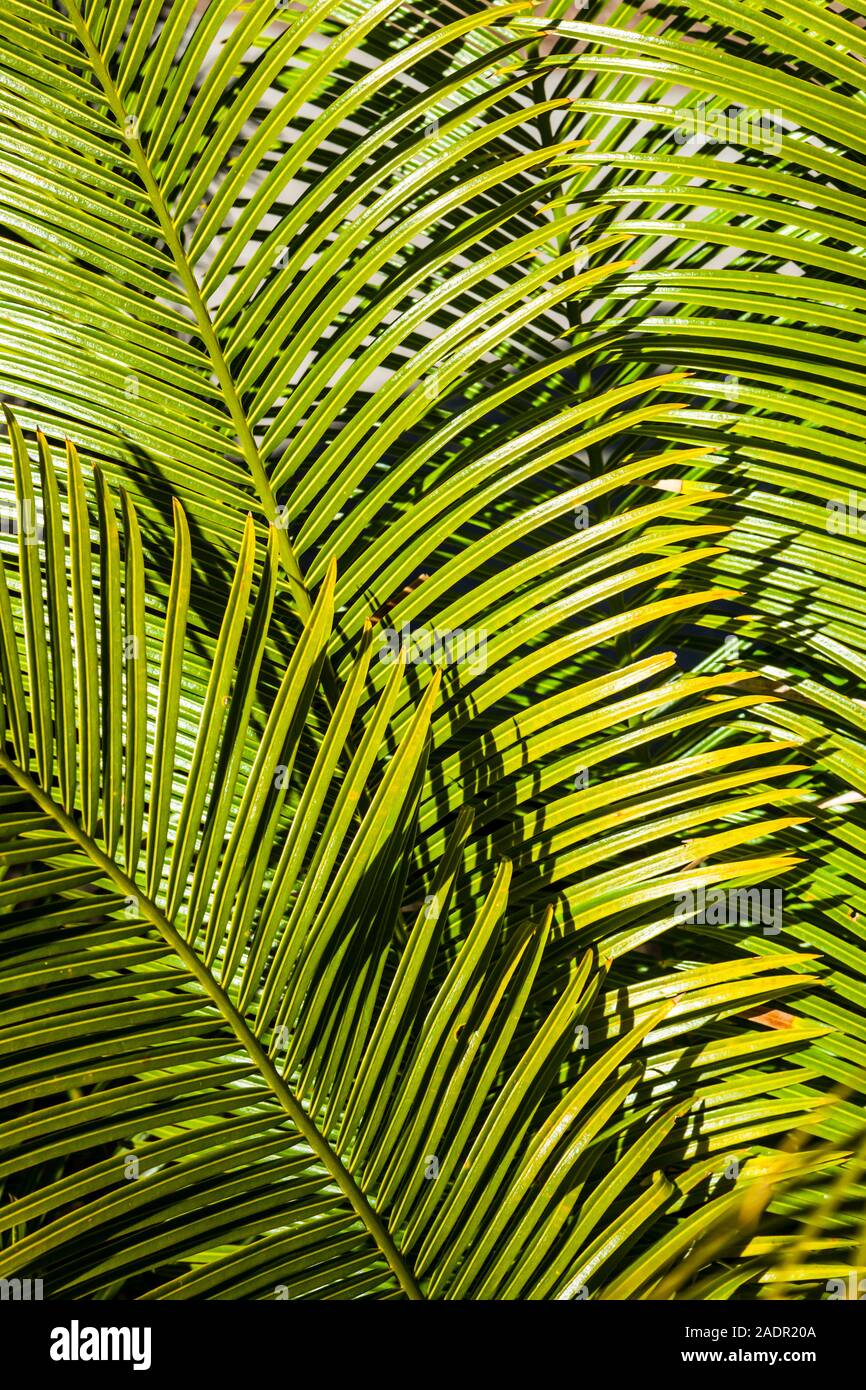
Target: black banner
point(83, 1341)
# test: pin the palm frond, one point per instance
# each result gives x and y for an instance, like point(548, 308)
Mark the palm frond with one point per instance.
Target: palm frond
point(247, 1075)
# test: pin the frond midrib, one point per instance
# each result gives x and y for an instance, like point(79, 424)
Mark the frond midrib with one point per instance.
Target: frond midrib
point(245, 438)
point(247, 1039)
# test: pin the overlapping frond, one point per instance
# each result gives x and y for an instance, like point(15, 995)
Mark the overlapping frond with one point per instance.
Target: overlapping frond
point(230, 1070)
point(515, 346)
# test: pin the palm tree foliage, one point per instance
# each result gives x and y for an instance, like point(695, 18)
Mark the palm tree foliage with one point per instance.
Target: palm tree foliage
point(334, 975)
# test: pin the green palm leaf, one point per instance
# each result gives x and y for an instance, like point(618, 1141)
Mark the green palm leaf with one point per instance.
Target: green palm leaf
point(401, 340)
point(250, 1076)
